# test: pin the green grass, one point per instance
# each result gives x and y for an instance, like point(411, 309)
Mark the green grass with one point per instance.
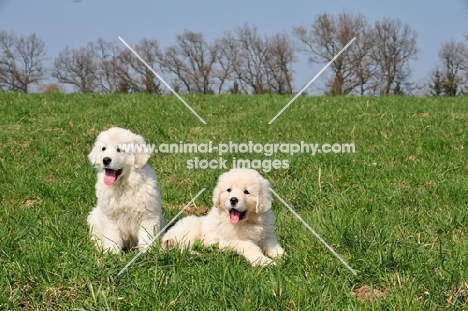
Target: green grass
point(396, 210)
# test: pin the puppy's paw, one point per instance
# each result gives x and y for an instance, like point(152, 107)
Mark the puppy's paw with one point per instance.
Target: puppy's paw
point(275, 252)
point(113, 249)
point(143, 247)
point(165, 244)
point(263, 261)
point(183, 246)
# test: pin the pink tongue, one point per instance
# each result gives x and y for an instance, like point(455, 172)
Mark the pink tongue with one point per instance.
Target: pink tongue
point(235, 216)
point(110, 177)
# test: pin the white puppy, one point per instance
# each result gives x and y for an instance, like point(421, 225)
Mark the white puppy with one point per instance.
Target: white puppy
point(128, 209)
point(240, 220)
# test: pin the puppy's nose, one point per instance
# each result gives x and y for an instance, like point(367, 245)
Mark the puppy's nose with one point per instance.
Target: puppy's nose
point(106, 160)
point(234, 200)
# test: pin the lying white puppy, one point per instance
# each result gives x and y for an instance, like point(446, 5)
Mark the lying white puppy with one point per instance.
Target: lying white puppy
point(240, 220)
point(128, 209)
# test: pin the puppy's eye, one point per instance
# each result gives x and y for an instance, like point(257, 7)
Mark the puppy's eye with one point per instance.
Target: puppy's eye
point(229, 190)
point(118, 149)
point(103, 149)
point(246, 192)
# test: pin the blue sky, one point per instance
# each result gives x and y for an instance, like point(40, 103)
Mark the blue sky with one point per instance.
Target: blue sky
point(62, 23)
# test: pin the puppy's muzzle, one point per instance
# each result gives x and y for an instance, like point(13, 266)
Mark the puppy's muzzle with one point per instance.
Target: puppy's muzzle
point(106, 161)
point(233, 201)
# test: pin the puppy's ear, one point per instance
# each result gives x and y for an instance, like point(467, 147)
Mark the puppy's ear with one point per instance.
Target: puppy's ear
point(140, 158)
point(93, 157)
point(216, 196)
point(264, 198)
point(141, 153)
point(217, 192)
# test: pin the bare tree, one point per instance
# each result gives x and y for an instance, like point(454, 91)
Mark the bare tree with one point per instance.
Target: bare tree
point(454, 62)
point(254, 64)
point(150, 52)
point(326, 37)
point(227, 52)
point(133, 74)
point(191, 60)
point(106, 57)
point(395, 46)
point(127, 82)
point(7, 62)
point(280, 58)
point(21, 61)
point(364, 68)
point(251, 63)
point(436, 83)
point(77, 67)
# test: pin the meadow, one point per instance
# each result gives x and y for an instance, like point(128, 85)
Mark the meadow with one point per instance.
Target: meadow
point(395, 209)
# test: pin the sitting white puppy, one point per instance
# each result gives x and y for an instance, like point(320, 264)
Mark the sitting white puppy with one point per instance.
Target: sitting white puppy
point(128, 209)
point(240, 220)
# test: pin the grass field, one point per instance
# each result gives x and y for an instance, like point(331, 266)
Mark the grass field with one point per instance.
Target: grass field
point(395, 210)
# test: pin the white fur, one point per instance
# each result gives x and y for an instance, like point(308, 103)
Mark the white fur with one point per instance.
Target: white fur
point(251, 236)
point(129, 210)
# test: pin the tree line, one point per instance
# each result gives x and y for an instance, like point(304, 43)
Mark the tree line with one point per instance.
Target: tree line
point(241, 61)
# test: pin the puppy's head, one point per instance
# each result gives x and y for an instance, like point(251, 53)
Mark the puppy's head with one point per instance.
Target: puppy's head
point(241, 192)
point(116, 152)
